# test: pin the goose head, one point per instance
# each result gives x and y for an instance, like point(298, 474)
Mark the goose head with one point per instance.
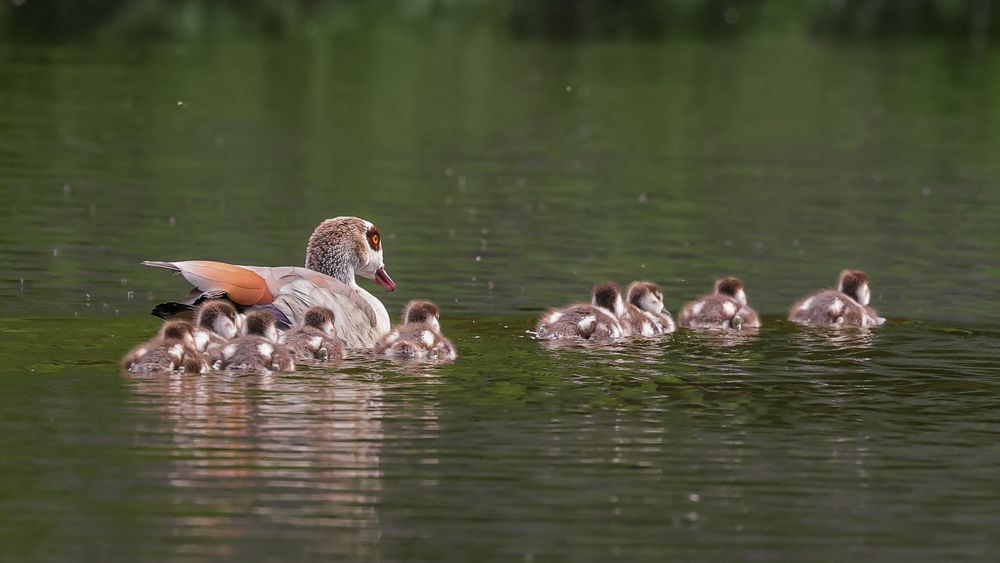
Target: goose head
point(854, 283)
point(343, 247)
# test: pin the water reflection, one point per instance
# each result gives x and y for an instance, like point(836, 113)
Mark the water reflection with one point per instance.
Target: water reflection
point(724, 337)
point(283, 455)
point(825, 338)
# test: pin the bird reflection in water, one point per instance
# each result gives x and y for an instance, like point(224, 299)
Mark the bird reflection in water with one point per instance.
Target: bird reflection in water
point(271, 453)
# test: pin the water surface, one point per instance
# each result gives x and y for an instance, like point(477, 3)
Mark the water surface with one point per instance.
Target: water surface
point(507, 176)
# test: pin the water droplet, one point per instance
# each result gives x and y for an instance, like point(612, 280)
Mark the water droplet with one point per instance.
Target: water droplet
point(130, 295)
point(172, 221)
point(124, 281)
point(67, 188)
point(926, 190)
point(461, 183)
point(55, 253)
point(449, 171)
point(181, 104)
point(569, 88)
point(479, 258)
point(694, 497)
point(643, 198)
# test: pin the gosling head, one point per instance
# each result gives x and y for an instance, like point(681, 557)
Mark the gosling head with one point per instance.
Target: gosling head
point(320, 318)
point(731, 287)
point(608, 295)
point(178, 330)
point(261, 323)
point(218, 316)
point(647, 296)
point(423, 312)
point(854, 283)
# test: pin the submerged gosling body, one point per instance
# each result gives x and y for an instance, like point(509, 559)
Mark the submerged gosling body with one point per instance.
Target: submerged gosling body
point(316, 338)
point(845, 306)
point(725, 307)
point(419, 336)
point(257, 349)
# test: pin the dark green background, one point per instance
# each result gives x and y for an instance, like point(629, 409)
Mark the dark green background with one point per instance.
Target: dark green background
point(513, 154)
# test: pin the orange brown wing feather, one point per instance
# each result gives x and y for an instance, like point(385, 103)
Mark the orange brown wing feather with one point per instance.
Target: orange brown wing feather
point(241, 285)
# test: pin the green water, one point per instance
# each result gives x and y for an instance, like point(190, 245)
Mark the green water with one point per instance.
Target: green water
point(507, 176)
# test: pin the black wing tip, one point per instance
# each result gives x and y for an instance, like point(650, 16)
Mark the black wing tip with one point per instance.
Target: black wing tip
point(170, 309)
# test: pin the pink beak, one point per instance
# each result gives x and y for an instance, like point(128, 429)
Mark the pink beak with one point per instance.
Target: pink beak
point(383, 279)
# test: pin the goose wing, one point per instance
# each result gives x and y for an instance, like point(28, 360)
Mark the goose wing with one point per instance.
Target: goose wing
point(241, 285)
point(295, 290)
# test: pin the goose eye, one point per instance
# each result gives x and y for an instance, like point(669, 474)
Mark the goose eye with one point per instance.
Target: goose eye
point(375, 240)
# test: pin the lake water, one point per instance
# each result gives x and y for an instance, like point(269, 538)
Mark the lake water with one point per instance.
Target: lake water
point(507, 177)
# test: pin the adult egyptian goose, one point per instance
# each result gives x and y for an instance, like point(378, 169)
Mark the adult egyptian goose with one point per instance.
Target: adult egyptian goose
point(582, 321)
point(418, 336)
point(726, 307)
point(338, 249)
point(845, 306)
point(648, 298)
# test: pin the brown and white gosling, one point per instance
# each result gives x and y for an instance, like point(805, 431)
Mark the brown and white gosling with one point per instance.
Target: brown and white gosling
point(316, 338)
point(845, 306)
point(581, 321)
point(648, 298)
point(216, 322)
point(173, 349)
point(419, 336)
point(608, 296)
point(257, 348)
point(726, 307)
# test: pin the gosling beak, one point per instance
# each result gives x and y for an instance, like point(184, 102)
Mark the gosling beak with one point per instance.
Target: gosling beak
point(383, 279)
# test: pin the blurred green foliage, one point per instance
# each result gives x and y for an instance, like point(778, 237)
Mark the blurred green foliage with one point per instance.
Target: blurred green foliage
point(975, 20)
